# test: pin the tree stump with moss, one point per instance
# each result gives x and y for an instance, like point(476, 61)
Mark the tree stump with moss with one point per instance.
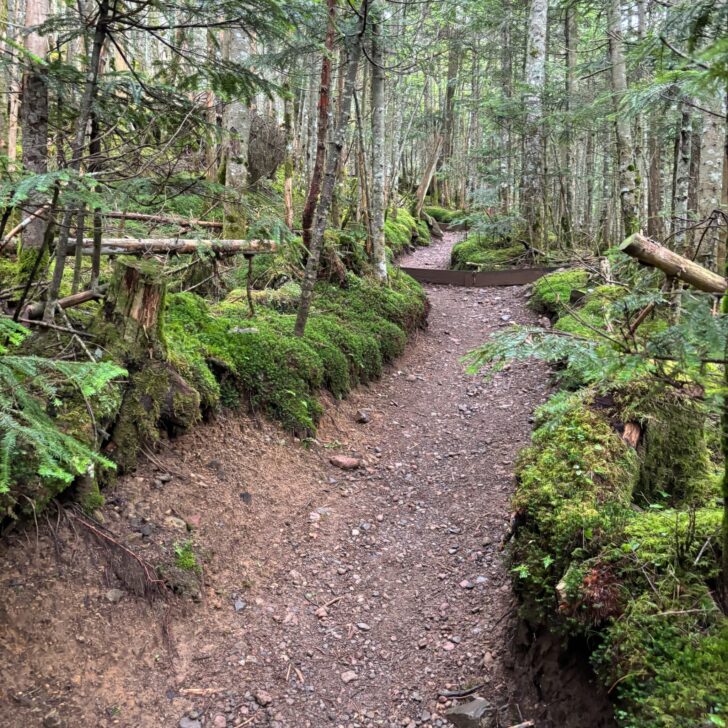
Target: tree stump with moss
point(132, 312)
point(131, 329)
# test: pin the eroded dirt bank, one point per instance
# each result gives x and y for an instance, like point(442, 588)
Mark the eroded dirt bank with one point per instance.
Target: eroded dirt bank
point(328, 597)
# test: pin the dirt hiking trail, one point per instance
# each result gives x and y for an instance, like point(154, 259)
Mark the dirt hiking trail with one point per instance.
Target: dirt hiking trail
point(328, 597)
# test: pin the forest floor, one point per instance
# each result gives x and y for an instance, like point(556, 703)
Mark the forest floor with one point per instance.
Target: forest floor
point(328, 597)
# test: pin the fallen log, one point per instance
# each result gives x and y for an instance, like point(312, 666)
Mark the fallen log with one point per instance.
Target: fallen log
point(35, 310)
point(171, 219)
point(142, 246)
point(676, 266)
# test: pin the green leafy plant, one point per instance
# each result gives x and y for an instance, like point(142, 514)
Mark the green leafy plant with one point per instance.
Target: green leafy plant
point(30, 391)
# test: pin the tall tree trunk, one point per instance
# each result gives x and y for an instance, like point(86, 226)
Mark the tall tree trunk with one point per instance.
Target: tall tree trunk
point(655, 225)
point(324, 106)
point(336, 144)
point(77, 149)
point(237, 130)
point(710, 185)
point(532, 179)
point(682, 180)
point(568, 213)
point(627, 176)
point(34, 117)
point(379, 258)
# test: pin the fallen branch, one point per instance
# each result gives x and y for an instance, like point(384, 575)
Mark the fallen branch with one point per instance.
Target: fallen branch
point(651, 253)
point(35, 310)
point(174, 246)
point(23, 224)
point(171, 219)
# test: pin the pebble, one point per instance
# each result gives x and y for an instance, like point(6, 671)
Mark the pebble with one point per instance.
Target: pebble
point(115, 595)
point(345, 462)
point(188, 722)
point(263, 698)
point(349, 676)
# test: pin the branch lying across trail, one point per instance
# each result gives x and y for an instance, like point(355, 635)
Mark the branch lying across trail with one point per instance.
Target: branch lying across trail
point(141, 246)
point(171, 219)
point(651, 253)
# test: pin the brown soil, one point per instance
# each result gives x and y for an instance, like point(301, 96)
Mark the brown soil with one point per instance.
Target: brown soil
point(327, 597)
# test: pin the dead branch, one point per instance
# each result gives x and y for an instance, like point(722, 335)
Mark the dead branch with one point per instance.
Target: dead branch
point(174, 246)
point(171, 219)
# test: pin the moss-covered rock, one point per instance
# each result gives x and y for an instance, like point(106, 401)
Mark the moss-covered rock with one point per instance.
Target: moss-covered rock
point(552, 292)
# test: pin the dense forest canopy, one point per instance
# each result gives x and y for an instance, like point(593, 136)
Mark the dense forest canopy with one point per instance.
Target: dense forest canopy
point(202, 205)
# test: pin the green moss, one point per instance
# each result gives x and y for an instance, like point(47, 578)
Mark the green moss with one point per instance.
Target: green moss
point(352, 331)
point(443, 215)
point(402, 230)
point(575, 485)
point(597, 313)
point(483, 253)
point(185, 557)
point(675, 460)
point(667, 660)
point(552, 292)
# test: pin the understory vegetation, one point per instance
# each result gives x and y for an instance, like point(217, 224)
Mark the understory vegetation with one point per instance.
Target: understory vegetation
point(618, 509)
point(80, 422)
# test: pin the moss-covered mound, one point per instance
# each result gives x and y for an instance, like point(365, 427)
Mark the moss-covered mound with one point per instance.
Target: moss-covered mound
point(442, 214)
point(630, 567)
point(552, 293)
point(478, 252)
point(401, 230)
point(230, 357)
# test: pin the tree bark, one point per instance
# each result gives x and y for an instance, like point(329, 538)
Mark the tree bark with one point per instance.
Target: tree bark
point(710, 185)
point(682, 180)
point(532, 179)
point(627, 175)
point(379, 258)
point(34, 116)
point(336, 144)
point(324, 113)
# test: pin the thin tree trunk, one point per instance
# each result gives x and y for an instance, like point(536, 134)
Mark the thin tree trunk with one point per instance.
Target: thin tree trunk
point(84, 113)
point(626, 170)
point(532, 179)
point(34, 117)
point(379, 258)
point(336, 144)
point(324, 105)
point(682, 180)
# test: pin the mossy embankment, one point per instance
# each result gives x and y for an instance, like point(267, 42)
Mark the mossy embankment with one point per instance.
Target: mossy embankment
point(187, 355)
point(618, 519)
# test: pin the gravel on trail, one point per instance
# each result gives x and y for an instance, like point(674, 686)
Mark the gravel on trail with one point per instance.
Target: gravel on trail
point(346, 582)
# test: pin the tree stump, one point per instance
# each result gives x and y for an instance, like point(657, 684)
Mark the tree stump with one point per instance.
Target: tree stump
point(132, 312)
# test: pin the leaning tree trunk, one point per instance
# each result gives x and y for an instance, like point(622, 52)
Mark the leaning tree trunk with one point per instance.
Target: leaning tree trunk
point(336, 144)
point(626, 170)
point(532, 178)
point(378, 155)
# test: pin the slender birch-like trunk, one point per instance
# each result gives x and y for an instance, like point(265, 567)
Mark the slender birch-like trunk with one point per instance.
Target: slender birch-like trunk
point(532, 176)
point(336, 144)
point(627, 177)
point(379, 258)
